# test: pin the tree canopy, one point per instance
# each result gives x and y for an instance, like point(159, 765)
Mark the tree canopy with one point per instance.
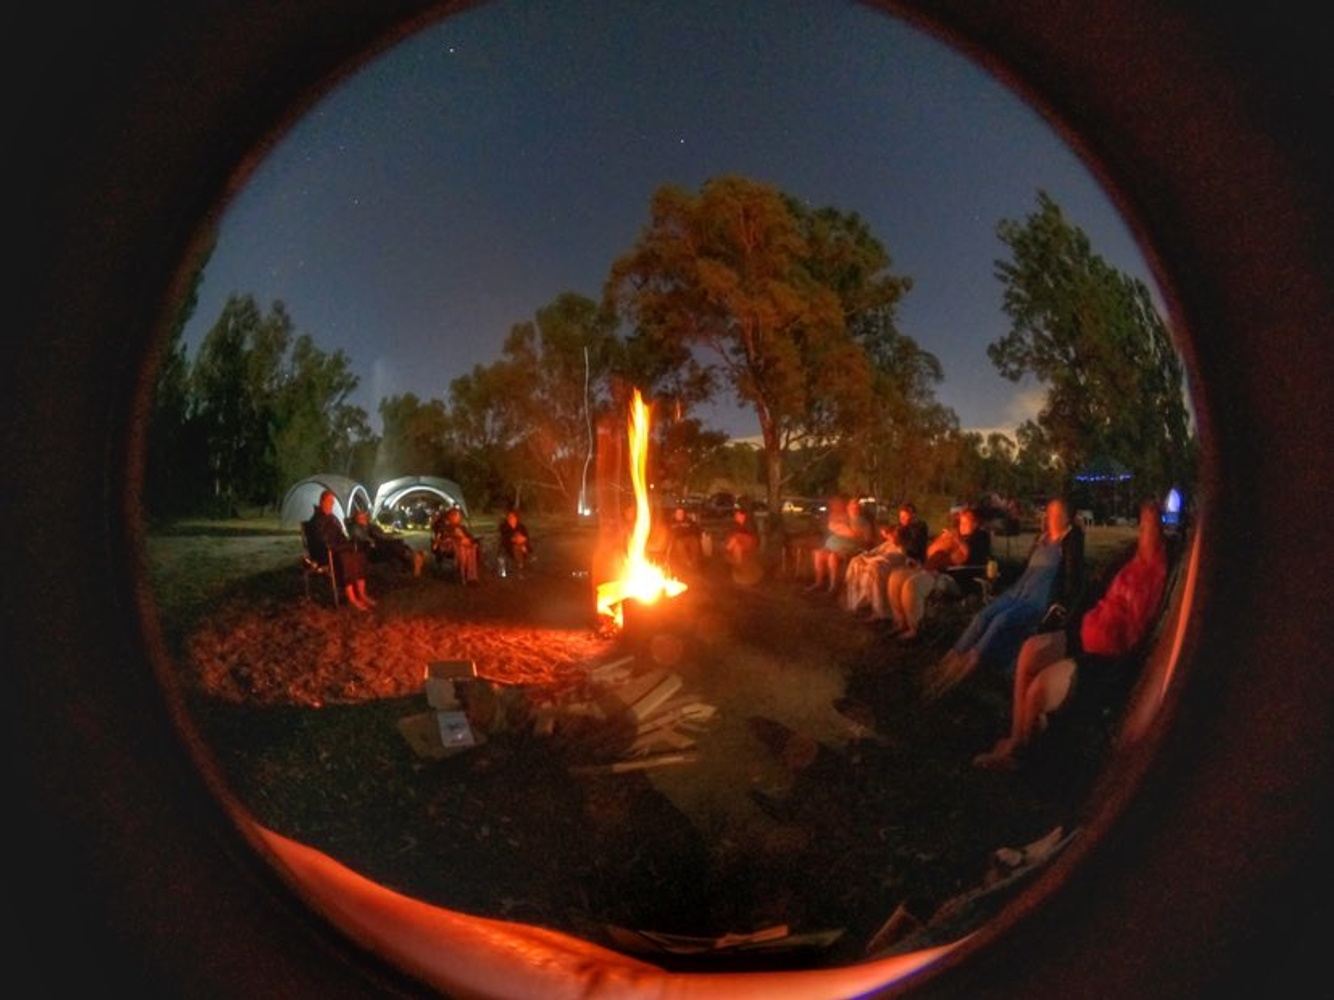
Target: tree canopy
point(736, 287)
point(769, 289)
point(258, 408)
point(1092, 336)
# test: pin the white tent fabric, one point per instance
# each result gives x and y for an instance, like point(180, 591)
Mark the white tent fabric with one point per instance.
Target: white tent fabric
point(302, 499)
point(389, 494)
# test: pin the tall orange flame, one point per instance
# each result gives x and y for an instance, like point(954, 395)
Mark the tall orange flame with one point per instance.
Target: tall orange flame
point(639, 579)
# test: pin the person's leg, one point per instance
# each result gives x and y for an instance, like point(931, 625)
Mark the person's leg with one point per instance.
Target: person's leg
point(836, 563)
point(1046, 694)
point(356, 572)
point(999, 645)
point(980, 622)
point(894, 592)
point(1036, 654)
point(916, 588)
point(960, 659)
point(965, 655)
point(854, 593)
point(361, 592)
point(879, 588)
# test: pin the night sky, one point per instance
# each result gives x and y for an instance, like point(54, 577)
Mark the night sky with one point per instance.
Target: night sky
point(475, 171)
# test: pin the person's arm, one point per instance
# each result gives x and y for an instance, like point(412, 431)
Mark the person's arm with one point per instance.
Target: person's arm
point(1133, 599)
point(944, 542)
point(843, 529)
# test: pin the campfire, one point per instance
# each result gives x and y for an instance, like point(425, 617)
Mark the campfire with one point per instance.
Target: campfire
point(638, 578)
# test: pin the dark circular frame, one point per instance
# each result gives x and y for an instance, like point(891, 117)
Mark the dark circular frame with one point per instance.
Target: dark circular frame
point(128, 870)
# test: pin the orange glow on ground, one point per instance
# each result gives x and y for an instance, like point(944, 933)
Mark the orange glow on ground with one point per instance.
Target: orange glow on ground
point(639, 579)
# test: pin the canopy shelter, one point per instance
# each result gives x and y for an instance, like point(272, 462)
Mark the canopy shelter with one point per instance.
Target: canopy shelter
point(1104, 480)
point(304, 497)
point(1104, 469)
point(396, 491)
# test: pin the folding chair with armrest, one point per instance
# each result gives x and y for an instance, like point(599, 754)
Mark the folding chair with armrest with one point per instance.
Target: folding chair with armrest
point(311, 566)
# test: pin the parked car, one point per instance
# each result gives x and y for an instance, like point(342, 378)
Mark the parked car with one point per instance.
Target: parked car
point(690, 501)
point(803, 505)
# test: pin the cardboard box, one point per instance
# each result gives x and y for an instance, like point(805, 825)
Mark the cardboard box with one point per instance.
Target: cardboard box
point(440, 677)
point(455, 732)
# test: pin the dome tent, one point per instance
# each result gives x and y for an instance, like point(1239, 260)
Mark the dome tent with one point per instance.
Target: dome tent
point(304, 497)
point(393, 492)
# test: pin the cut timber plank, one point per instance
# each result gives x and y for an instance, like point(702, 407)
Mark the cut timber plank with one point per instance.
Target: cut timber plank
point(641, 764)
point(665, 738)
point(613, 671)
point(695, 712)
point(650, 702)
point(637, 687)
point(679, 700)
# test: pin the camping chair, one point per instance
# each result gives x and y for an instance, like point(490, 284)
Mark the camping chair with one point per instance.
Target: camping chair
point(1072, 728)
point(446, 556)
point(310, 566)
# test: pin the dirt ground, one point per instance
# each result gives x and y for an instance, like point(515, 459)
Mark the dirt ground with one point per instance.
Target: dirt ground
point(792, 813)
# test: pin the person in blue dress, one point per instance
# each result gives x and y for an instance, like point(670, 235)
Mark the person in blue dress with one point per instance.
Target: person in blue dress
point(1048, 589)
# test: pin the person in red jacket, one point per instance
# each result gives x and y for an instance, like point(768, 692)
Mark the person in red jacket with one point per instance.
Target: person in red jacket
point(1051, 664)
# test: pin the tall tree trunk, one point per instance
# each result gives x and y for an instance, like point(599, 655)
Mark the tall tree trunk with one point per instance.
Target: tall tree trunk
point(773, 468)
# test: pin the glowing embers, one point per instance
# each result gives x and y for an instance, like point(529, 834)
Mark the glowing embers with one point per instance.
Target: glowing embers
point(639, 579)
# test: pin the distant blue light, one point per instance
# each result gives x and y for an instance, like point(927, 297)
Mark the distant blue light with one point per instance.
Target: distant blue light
point(1173, 502)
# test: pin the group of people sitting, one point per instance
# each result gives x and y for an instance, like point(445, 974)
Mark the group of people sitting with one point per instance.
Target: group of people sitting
point(1063, 652)
point(350, 546)
point(681, 544)
point(1042, 631)
point(451, 539)
point(1085, 654)
point(894, 577)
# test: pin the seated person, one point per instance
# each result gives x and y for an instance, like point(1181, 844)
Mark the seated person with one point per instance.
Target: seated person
point(380, 546)
point(1049, 587)
point(1086, 660)
point(742, 546)
point(911, 534)
point(451, 538)
point(910, 585)
point(325, 537)
point(516, 544)
point(848, 533)
point(867, 573)
point(684, 545)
